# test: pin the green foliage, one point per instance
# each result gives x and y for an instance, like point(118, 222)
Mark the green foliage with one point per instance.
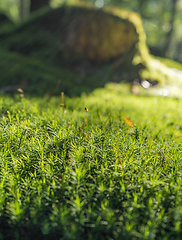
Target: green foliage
point(120, 183)
point(11, 8)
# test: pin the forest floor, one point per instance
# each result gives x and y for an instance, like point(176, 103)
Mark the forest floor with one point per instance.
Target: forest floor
point(112, 172)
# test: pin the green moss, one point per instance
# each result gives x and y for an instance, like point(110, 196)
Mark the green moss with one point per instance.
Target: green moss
point(37, 78)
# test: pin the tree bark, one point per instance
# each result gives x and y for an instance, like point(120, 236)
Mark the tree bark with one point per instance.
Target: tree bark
point(170, 33)
point(22, 15)
point(37, 4)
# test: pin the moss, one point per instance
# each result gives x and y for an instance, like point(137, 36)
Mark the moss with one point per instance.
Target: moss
point(170, 63)
point(37, 78)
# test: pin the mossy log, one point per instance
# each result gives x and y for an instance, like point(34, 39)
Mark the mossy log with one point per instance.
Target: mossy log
point(95, 45)
point(87, 33)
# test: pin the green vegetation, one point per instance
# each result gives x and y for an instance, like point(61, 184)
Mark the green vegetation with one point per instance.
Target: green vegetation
point(119, 180)
point(37, 78)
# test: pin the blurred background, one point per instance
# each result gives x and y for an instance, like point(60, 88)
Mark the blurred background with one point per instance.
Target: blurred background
point(161, 19)
point(48, 47)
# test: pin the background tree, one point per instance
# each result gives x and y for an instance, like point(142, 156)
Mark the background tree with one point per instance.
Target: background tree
point(22, 10)
point(169, 34)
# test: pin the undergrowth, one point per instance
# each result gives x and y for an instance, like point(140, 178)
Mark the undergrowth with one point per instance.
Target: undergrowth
point(112, 172)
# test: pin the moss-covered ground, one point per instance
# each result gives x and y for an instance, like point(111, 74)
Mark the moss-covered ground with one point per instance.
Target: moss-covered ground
point(112, 172)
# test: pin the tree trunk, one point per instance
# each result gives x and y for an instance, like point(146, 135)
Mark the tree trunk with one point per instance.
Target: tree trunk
point(170, 33)
point(37, 4)
point(22, 13)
